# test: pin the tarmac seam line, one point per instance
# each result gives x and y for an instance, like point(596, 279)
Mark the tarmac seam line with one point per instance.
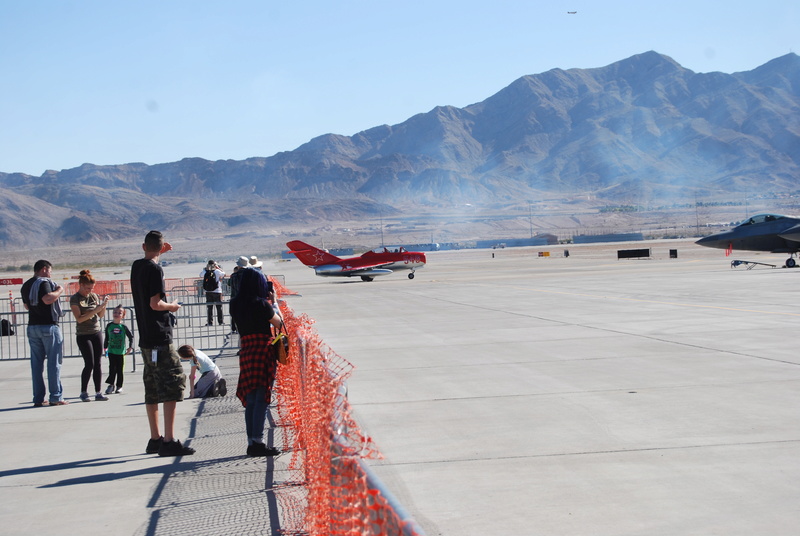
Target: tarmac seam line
point(639, 335)
point(592, 453)
point(625, 390)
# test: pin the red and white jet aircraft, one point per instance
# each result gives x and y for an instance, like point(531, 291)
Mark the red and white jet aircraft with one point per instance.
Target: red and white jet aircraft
point(379, 261)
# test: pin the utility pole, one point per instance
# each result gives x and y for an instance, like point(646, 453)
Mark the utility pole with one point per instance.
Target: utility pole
point(382, 244)
point(530, 217)
point(697, 214)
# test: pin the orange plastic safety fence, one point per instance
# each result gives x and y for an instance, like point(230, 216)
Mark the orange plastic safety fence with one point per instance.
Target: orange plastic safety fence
point(123, 286)
point(326, 442)
point(101, 288)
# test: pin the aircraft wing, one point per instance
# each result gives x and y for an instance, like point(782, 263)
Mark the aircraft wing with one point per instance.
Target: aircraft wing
point(347, 271)
point(371, 271)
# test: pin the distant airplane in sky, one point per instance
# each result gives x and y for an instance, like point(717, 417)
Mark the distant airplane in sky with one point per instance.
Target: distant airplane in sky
point(766, 232)
point(571, 12)
point(379, 261)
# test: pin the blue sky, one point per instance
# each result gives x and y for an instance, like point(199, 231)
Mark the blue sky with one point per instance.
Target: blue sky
point(110, 82)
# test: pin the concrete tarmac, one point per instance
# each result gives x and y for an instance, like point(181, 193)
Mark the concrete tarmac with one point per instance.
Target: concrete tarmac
point(510, 394)
point(513, 394)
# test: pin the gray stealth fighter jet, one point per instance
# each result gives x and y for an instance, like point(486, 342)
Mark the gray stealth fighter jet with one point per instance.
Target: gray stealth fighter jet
point(766, 232)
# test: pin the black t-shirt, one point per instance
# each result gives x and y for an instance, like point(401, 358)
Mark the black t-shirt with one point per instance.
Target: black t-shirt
point(234, 282)
point(40, 314)
point(251, 315)
point(147, 280)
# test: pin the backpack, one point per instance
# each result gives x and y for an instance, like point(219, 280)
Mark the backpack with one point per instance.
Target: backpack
point(6, 329)
point(210, 282)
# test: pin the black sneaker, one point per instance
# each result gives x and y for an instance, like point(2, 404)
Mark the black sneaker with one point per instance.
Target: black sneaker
point(154, 445)
point(261, 450)
point(174, 448)
point(222, 387)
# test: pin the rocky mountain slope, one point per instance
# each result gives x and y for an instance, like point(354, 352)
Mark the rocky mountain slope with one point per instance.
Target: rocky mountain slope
point(643, 131)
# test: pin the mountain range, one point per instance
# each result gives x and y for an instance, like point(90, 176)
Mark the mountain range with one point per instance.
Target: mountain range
point(643, 130)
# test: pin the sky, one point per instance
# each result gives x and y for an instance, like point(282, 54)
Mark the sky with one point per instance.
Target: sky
point(114, 82)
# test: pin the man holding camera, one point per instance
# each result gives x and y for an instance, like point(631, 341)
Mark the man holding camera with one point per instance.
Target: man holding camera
point(212, 283)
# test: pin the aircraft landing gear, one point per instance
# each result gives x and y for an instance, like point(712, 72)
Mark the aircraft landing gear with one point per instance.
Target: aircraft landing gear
point(411, 275)
point(790, 262)
point(366, 278)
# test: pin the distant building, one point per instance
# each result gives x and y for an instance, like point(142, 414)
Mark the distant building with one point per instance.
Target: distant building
point(538, 240)
point(613, 237)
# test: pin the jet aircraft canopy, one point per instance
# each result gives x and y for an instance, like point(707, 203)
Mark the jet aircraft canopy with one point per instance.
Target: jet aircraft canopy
point(390, 249)
point(761, 218)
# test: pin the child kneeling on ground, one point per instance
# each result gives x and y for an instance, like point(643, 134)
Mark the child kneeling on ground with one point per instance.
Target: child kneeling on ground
point(211, 382)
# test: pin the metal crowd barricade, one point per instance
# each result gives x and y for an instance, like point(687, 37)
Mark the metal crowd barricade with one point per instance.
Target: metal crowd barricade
point(13, 341)
point(190, 327)
point(15, 344)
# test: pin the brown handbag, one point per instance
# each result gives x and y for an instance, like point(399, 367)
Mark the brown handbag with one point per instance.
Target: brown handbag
point(280, 345)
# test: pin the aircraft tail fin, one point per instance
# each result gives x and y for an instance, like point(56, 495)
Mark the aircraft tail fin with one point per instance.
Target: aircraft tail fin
point(309, 255)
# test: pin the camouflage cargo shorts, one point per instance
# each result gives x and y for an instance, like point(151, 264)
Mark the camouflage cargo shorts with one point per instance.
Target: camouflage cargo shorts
point(164, 380)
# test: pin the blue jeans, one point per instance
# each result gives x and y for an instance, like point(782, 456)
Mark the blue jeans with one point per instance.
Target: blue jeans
point(255, 415)
point(46, 344)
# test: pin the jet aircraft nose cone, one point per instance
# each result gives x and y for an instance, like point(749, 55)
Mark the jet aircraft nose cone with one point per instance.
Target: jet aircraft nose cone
point(716, 240)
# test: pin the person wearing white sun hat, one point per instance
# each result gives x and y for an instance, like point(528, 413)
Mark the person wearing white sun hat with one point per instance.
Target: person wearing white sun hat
point(255, 263)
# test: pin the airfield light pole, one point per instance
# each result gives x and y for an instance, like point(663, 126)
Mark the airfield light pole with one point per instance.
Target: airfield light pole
point(746, 204)
point(697, 214)
point(530, 217)
point(381, 212)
